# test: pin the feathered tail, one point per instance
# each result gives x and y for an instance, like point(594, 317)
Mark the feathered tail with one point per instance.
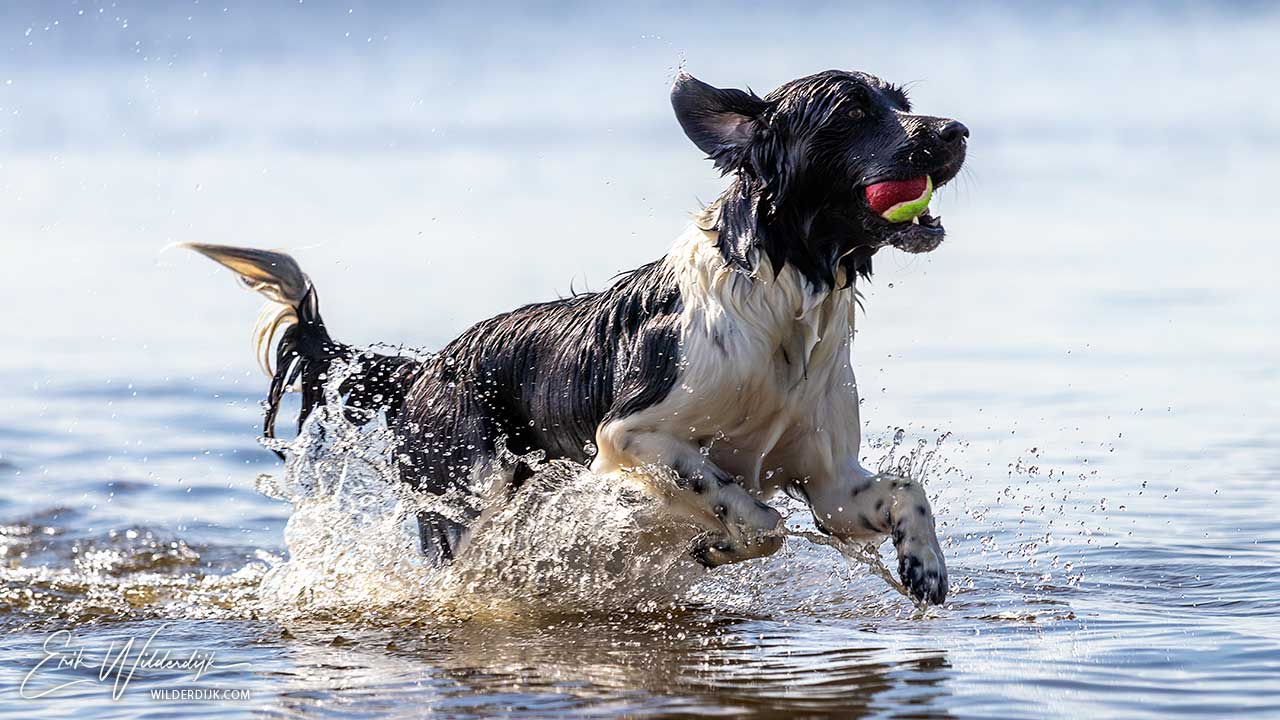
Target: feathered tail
point(292, 312)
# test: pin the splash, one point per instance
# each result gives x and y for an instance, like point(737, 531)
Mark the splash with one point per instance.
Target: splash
point(568, 540)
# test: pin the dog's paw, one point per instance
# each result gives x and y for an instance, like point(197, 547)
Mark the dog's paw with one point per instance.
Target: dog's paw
point(744, 516)
point(746, 528)
point(922, 569)
point(713, 550)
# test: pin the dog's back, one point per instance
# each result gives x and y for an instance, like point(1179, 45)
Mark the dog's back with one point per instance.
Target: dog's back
point(539, 379)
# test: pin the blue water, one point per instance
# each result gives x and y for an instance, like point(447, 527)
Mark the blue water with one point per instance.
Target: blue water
point(1095, 344)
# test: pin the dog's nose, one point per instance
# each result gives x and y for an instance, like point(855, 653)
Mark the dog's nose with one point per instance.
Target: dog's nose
point(953, 131)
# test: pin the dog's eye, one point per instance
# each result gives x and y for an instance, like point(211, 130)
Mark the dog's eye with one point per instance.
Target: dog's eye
point(857, 113)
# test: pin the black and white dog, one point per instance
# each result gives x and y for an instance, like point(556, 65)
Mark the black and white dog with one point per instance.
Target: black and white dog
point(727, 361)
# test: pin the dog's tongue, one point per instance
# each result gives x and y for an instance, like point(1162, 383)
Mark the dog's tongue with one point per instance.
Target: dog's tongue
point(883, 195)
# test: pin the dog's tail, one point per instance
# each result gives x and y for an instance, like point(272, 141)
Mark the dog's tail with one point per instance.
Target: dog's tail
point(305, 351)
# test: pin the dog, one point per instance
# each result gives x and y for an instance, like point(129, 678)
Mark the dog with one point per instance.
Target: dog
point(727, 361)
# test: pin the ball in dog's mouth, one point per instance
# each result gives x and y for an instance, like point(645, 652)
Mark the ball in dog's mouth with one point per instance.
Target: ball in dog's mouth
point(903, 205)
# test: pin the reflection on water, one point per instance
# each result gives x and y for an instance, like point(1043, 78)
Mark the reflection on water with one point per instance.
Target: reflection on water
point(679, 664)
point(1084, 373)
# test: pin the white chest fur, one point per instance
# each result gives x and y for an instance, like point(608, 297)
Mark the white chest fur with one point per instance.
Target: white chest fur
point(765, 366)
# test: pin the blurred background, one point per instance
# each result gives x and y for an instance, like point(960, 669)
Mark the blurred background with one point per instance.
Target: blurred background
point(1110, 248)
point(1105, 305)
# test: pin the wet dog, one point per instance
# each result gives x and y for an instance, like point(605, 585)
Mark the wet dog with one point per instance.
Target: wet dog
point(727, 361)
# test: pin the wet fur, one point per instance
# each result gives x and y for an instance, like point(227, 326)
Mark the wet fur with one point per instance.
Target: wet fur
point(728, 360)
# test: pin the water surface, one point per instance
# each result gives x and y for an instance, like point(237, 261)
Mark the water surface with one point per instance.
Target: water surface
point(1091, 354)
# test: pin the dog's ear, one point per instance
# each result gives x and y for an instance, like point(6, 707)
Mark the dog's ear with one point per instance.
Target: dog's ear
point(720, 122)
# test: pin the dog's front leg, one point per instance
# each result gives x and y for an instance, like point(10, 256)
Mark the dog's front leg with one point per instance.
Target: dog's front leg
point(861, 507)
point(737, 525)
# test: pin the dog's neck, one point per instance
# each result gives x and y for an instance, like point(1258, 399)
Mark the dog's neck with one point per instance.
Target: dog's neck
point(746, 314)
point(758, 225)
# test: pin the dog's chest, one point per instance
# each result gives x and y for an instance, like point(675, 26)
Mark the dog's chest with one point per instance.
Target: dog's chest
point(759, 357)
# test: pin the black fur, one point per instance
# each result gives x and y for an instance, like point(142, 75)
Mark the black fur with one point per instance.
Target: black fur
point(799, 160)
point(544, 377)
point(541, 378)
point(304, 355)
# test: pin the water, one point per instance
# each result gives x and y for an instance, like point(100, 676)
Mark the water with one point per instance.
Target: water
point(1090, 358)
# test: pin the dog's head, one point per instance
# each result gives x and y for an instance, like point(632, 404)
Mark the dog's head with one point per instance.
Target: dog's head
point(802, 158)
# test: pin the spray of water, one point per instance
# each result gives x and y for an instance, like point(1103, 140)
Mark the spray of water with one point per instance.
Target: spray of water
point(568, 540)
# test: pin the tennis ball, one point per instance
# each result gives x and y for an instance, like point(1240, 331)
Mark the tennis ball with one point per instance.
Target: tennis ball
point(900, 200)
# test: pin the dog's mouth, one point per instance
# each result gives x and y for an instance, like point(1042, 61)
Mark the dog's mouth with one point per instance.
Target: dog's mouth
point(897, 214)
